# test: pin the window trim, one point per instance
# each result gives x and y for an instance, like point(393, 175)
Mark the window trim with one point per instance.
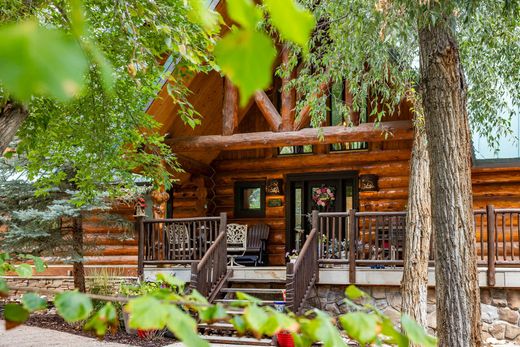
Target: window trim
point(239, 210)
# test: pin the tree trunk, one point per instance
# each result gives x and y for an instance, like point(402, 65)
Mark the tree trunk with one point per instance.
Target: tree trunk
point(446, 120)
point(78, 270)
point(12, 116)
point(414, 286)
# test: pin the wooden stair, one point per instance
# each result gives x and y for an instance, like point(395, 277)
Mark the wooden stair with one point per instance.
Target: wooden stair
point(270, 293)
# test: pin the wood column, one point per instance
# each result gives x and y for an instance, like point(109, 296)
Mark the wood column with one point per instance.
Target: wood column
point(288, 96)
point(229, 108)
point(304, 118)
point(159, 199)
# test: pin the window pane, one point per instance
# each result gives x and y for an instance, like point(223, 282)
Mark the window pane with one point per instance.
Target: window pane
point(251, 198)
point(298, 206)
point(348, 198)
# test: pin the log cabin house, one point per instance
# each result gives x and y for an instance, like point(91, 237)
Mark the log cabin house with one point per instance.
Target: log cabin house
point(264, 165)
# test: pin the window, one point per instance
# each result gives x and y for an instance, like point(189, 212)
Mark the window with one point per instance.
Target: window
point(291, 150)
point(337, 110)
point(508, 146)
point(249, 199)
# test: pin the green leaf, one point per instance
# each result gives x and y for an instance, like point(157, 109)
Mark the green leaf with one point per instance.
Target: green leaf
point(293, 22)
point(39, 264)
point(321, 329)
point(256, 319)
point(14, 315)
point(278, 321)
point(73, 306)
point(200, 14)
point(33, 302)
point(104, 319)
point(416, 333)
point(147, 313)
point(362, 327)
point(213, 313)
point(353, 292)
point(24, 270)
point(246, 57)
point(244, 12)
point(29, 55)
point(172, 281)
point(394, 336)
point(184, 327)
point(246, 297)
point(106, 71)
point(239, 324)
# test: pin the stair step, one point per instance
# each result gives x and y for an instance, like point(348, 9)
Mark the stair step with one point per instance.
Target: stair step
point(262, 302)
point(217, 326)
point(252, 290)
point(237, 341)
point(257, 280)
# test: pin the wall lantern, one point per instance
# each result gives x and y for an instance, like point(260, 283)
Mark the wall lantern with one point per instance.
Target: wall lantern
point(274, 187)
point(368, 183)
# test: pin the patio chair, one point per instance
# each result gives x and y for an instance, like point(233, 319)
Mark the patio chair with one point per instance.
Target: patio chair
point(236, 237)
point(256, 248)
point(179, 247)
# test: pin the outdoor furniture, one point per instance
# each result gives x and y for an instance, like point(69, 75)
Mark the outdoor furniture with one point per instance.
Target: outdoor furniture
point(178, 238)
point(256, 250)
point(236, 237)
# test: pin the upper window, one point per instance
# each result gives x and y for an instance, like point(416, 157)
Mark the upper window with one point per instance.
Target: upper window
point(336, 106)
point(288, 150)
point(508, 146)
point(249, 199)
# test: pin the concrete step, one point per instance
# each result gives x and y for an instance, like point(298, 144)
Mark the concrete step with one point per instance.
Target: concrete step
point(253, 290)
point(232, 301)
point(257, 280)
point(237, 341)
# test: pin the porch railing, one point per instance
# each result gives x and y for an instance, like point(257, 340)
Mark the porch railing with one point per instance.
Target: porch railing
point(211, 270)
point(376, 239)
point(304, 272)
point(177, 241)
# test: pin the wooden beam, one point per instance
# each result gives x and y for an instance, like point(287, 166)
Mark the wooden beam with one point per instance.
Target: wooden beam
point(304, 118)
point(386, 131)
point(268, 110)
point(229, 108)
point(288, 96)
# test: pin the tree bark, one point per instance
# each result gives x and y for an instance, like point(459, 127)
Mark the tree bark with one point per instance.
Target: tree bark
point(414, 286)
point(444, 100)
point(12, 116)
point(78, 269)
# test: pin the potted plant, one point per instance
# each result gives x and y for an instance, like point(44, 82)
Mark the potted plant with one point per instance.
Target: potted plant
point(284, 339)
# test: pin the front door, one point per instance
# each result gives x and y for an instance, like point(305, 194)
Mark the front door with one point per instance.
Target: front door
point(335, 192)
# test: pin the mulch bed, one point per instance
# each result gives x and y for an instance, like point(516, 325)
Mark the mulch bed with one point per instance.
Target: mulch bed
point(52, 321)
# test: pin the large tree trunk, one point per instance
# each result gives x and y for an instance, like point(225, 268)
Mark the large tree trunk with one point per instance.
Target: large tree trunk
point(414, 286)
point(78, 269)
point(12, 116)
point(446, 119)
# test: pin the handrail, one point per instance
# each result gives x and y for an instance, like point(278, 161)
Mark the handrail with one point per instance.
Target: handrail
point(304, 272)
point(207, 273)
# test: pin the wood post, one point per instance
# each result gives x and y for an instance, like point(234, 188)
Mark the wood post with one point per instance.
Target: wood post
point(314, 222)
point(139, 227)
point(229, 108)
point(194, 275)
point(490, 215)
point(288, 96)
point(268, 110)
point(290, 285)
point(352, 228)
point(304, 118)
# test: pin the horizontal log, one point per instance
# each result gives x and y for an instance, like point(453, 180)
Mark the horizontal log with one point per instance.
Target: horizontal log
point(386, 131)
point(495, 177)
point(298, 161)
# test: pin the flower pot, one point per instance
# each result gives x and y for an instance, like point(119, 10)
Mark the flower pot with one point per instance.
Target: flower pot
point(284, 339)
point(146, 334)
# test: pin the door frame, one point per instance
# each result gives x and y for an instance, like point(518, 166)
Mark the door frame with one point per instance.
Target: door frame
point(290, 179)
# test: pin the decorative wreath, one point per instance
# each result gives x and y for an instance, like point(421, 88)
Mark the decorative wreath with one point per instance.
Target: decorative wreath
point(323, 196)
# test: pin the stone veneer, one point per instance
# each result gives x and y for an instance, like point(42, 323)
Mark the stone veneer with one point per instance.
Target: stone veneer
point(500, 307)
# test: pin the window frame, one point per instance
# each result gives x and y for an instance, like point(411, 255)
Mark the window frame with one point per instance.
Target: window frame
point(239, 210)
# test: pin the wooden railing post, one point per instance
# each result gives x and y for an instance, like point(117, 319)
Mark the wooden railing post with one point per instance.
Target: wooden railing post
point(223, 221)
point(352, 228)
point(139, 226)
point(490, 215)
point(314, 222)
point(289, 293)
point(194, 279)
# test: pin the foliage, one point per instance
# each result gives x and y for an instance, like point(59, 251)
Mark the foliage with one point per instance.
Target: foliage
point(110, 56)
point(165, 305)
point(373, 46)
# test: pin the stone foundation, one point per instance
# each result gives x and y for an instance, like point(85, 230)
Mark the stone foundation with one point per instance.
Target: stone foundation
point(500, 308)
